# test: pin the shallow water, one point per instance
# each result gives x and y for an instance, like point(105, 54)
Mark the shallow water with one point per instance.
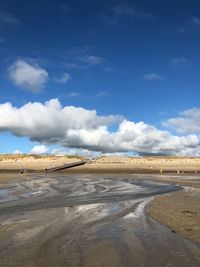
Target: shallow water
point(87, 220)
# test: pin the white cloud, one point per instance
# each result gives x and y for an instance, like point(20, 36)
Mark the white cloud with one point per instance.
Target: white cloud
point(75, 151)
point(39, 150)
point(7, 18)
point(63, 79)
point(152, 76)
point(79, 128)
point(187, 122)
point(176, 62)
point(59, 151)
point(27, 76)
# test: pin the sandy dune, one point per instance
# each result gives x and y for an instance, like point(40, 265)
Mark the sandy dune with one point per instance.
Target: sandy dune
point(31, 162)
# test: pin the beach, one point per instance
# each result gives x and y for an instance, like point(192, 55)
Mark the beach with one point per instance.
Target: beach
point(103, 164)
point(107, 212)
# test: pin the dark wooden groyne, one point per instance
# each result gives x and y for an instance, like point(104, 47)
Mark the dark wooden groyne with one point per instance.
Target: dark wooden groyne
point(66, 166)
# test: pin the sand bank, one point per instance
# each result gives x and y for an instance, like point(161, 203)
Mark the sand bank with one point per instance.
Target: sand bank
point(103, 164)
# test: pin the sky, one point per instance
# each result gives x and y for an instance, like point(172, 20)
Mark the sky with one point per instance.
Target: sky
point(92, 77)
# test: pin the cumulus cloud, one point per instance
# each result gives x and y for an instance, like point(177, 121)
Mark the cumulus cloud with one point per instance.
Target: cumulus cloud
point(79, 128)
point(187, 122)
point(39, 150)
point(64, 78)
point(152, 76)
point(27, 76)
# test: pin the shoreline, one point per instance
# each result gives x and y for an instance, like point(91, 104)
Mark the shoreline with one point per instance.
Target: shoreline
point(109, 170)
point(179, 211)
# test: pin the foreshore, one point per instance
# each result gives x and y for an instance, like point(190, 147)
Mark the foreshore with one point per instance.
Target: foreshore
point(179, 211)
point(60, 219)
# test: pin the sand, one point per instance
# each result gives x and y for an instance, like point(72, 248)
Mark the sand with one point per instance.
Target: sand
point(179, 211)
point(103, 164)
point(33, 162)
point(91, 220)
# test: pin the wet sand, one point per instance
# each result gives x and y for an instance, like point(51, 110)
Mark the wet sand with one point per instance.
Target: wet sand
point(179, 211)
point(87, 220)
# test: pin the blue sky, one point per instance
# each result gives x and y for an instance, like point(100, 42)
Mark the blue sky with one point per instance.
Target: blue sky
point(138, 59)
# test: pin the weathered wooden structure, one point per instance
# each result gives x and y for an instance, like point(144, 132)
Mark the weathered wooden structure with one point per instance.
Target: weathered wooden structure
point(66, 166)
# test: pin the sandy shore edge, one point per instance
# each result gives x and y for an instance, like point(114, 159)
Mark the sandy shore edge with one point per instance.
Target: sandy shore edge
point(179, 211)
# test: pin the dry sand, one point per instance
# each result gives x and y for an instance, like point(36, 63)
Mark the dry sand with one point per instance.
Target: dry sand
point(103, 164)
point(33, 162)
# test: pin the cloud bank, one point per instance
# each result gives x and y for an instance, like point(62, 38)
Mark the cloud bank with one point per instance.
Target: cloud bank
point(79, 128)
point(27, 76)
